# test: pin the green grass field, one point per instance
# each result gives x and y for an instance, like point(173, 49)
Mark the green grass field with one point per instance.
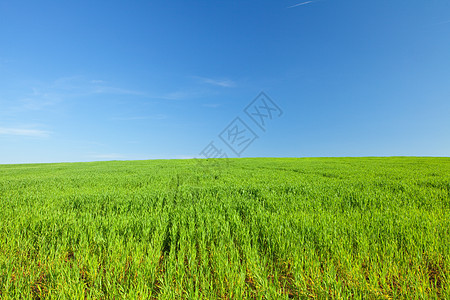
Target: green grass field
point(369, 228)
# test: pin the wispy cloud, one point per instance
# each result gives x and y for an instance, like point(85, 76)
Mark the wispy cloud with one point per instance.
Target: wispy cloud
point(181, 95)
point(24, 132)
point(116, 91)
point(96, 81)
point(211, 105)
point(5, 61)
point(44, 96)
point(36, 103)
point(216, 82)
point(40, 97)
point(300, 4)
point(436, 24)
point(443, 22)
point(100, 88)
point(135, 118)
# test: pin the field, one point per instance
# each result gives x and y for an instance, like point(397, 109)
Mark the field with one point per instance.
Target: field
point(363, 228)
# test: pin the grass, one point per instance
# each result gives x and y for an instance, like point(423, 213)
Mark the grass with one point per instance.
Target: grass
point(362, 228)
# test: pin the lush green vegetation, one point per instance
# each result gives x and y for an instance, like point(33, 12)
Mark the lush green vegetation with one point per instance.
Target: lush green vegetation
point(372, 228)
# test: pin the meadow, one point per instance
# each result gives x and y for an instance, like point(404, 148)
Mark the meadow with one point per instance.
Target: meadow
point(261, 228)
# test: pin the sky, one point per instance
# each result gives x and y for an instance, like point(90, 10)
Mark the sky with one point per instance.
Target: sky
point(128, 80)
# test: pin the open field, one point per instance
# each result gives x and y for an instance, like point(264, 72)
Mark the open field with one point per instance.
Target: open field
point(372, 228)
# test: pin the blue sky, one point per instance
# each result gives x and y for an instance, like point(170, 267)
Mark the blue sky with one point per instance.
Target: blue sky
point(85, 81)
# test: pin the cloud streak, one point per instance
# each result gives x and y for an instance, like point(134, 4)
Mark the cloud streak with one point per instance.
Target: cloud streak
point(217, 82)
point(300, 4)
point(444, 22)
point(42, 97)
point(211, 105)
point(116, 91)
point(24, 132)
point(135, 118)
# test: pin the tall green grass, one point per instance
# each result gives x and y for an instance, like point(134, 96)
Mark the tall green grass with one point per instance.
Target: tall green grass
point(363, 228)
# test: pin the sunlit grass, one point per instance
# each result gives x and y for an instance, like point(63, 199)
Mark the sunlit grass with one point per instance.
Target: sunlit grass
point(372, 228)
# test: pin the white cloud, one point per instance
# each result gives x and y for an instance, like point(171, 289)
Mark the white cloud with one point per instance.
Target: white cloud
point(116, 91)
point(97, 81)
point(24, 132)
point(300, 4)
point(134, 118)
point(75, 87)
point(444, 22)
point(51, 96)
point(37, 103)
point(217, 82)
point(212, 105)
point(181, 95)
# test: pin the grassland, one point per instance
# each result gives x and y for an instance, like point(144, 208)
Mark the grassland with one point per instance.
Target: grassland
point(371, 228)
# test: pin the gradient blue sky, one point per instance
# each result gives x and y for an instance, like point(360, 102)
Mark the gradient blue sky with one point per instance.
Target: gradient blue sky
point(91, 80)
